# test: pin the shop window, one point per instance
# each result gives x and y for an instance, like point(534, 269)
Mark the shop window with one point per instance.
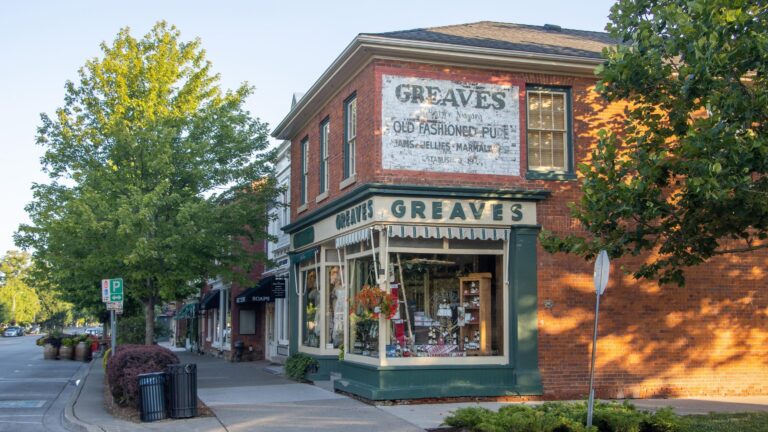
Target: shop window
point(247, 322)
point(363, 329)
point(336, 307)
point(548, 132)
point(324, 135)
point(450, 305)
point(310, 311)
point(350, 136)
point(304, 165)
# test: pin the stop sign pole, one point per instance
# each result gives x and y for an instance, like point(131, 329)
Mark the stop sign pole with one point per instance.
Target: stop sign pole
point(602, 268)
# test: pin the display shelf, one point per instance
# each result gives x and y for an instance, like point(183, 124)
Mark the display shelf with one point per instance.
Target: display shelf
point(475, 335)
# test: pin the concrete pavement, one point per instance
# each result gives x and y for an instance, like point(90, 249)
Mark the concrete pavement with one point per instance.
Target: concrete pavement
point(247, 397)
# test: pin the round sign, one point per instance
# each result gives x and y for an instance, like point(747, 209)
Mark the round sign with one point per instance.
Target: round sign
point(602, 268)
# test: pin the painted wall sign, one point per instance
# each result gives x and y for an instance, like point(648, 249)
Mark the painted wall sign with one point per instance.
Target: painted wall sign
point(450, 126)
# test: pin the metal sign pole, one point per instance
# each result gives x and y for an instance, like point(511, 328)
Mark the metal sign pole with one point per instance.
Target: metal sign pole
point(591, 405)
point(602, 268)
point(114, 331)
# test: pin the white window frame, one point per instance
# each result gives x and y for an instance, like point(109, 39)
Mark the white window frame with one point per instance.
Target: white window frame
point(350, 136)
point(325, 132)
point(565, 130)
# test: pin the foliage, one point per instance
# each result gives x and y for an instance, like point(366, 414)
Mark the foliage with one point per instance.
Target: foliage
point(53, 338)
point(371, 301)
point(742, 422)
point(686, 176)
point(297, 366)
point(154, 170)
point(130, 361)
point(565, 417)
point(20, 303)
point(130, 330)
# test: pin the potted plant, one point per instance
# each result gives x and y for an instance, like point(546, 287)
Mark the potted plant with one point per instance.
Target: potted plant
point(50, 344)
point(83, 348)
point(66, 351)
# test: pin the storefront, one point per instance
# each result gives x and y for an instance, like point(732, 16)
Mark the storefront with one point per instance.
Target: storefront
point(254, 308)
point(456, 270)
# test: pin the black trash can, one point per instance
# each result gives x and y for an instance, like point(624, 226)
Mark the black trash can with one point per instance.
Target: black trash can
point(182, 385)
point(152, 396)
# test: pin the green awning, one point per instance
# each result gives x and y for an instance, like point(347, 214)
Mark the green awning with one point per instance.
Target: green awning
point(187, 312)
point(299, 257)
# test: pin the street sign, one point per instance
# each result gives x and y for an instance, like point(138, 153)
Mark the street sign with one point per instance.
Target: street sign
point(105, 290)
point(602, 268)
point(116, 290)
point(115, 306)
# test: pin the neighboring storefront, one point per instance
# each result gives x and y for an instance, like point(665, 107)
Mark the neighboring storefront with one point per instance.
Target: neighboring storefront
point(424, 165)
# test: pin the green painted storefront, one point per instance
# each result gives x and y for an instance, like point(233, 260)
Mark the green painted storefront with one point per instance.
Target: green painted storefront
point(519, 375)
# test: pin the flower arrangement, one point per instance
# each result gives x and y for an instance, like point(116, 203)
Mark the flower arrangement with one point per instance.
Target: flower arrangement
point(371, 302)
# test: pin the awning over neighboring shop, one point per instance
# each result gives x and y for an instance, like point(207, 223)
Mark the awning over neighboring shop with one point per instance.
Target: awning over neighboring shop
point(210, 301)
point(268, 289)
point(299, 257)
point(439, 232)
point(186, 312)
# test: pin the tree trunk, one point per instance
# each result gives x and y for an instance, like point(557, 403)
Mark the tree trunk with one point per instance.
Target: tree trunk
point(149, 329)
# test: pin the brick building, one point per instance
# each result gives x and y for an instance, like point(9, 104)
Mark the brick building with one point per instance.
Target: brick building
point(426, 162)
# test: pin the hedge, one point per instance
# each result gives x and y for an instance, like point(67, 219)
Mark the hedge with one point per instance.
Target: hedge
point(130, 361)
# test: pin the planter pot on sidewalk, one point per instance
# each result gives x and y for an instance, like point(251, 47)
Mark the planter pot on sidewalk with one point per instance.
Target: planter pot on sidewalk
point(82, 352)
point(50, 352)
point(66, 353)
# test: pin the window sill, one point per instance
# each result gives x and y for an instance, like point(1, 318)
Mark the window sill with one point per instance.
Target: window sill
point(301, 208)
point(348, 181)
point(321, 197)
point(550, 175)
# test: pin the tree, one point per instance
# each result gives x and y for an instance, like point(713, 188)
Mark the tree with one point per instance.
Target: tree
point(154, 171)
point(686, 179)
point(20, 303)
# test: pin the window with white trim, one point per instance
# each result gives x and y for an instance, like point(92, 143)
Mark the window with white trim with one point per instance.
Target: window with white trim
point(548, 129)
point(324, 135)
point(350, 136)
point(304, 171)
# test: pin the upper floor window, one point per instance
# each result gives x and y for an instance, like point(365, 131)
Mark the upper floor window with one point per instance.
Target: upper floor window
point(350, 135)
point(550, 150)
point(304, 156)
point(324, 135)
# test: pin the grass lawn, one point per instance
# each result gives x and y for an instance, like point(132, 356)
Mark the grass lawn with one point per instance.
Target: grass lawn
point(742, 422)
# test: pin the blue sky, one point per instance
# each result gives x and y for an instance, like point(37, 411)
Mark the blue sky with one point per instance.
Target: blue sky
point(280, 47)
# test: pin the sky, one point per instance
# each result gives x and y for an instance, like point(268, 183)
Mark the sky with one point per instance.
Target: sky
point(279, 47)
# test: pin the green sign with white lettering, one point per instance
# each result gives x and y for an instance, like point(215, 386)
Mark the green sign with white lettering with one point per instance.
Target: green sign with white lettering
point(116, 290)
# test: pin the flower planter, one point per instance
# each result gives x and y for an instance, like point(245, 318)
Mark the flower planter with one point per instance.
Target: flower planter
point(82, 352)
point(50, 352)
point(66, 353)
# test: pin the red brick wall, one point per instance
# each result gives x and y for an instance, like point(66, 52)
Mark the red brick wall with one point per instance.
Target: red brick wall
point(709, 338)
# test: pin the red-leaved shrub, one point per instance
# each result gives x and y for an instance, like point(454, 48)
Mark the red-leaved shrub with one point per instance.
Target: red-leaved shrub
point(130, 361)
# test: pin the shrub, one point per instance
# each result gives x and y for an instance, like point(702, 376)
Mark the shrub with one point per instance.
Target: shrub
point(130, 361)
point(131, 330)
point(565, 417)
point(297, 366)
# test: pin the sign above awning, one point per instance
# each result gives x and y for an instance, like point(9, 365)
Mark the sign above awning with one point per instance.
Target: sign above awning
point(268, 289)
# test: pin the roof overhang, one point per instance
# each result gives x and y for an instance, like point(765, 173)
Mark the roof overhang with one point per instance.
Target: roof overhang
point(365, 48)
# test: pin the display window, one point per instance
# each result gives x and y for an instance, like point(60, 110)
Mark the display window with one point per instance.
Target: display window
point(310, 310)
point(363, 321)
point(335, 306)
point(449, 305)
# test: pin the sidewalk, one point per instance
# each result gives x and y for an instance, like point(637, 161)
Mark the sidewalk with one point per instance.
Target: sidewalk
point(247, 397)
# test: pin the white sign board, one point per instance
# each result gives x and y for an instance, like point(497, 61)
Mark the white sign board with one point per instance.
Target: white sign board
point(602, 268)
point(450, 126)
point(105, 290)
point(115, 306)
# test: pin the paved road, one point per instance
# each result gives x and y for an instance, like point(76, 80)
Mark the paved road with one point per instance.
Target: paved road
point(33, 391)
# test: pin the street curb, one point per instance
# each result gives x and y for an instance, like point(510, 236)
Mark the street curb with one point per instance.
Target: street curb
point(71, 421)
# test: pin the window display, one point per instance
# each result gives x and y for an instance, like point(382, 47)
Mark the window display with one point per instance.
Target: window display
point(336, 307)
point(363, 324)
point(449, 306)
point(310, 305)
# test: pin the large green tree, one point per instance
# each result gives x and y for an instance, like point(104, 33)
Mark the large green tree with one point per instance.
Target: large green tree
point(157, 175)
point(686, 178)
point(20, 303)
